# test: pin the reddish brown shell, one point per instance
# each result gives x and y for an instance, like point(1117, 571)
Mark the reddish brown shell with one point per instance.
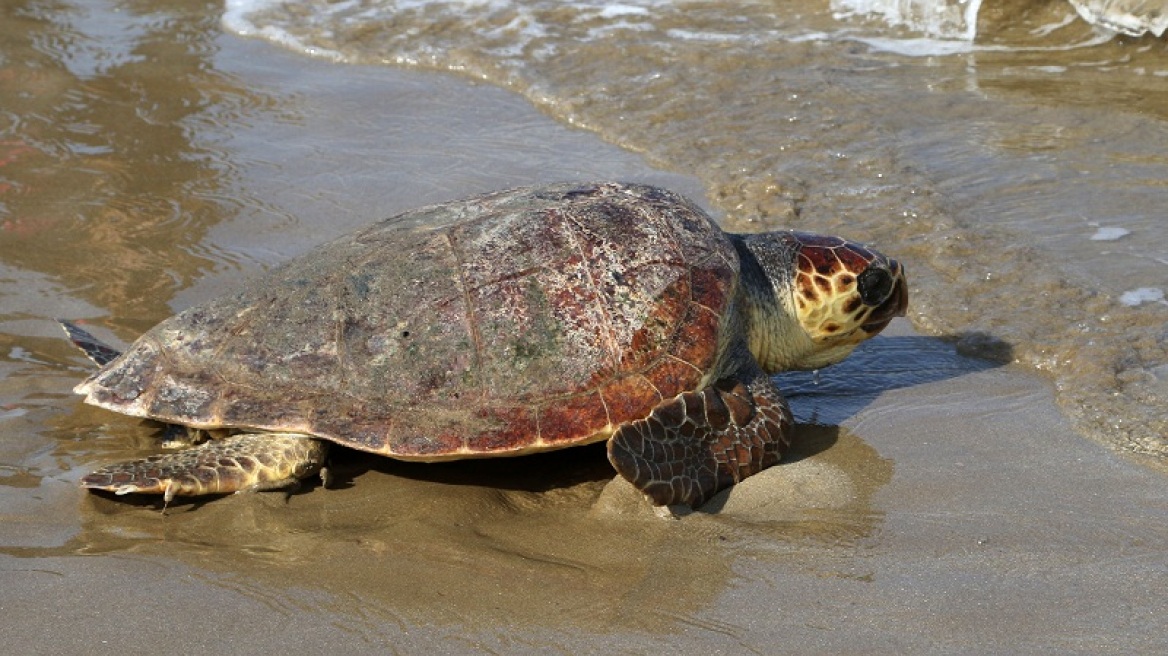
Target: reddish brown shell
point(517, 321)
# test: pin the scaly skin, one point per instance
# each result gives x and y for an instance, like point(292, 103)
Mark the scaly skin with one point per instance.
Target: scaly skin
point(244, 462)
point(698, 443)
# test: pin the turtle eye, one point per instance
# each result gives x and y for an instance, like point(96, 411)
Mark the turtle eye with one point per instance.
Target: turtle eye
point(874, 285)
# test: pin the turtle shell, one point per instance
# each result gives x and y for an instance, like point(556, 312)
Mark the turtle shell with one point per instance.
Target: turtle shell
point(523, 320)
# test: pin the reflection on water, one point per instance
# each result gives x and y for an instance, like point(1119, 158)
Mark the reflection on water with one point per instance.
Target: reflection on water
point(105, 186)
point(101, 186)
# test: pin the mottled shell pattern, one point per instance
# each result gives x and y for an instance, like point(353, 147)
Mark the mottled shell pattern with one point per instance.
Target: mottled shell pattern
point(524, 320)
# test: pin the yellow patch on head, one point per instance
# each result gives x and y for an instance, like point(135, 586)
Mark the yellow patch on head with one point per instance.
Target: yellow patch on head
point(829, 307)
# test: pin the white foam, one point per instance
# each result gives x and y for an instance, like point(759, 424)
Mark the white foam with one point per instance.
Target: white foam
point(710, 37)
point(936, 47)
point(1051, 28)
point(920, 47)
point(1110, 233)
point(237, 15)
point(942, 19)
point(615, 11)
point(950, 26)
point(1132, 17)
point(520, 29)
point(1142, 295)
point(957, 19)
point(237, 18)
point(513, 24)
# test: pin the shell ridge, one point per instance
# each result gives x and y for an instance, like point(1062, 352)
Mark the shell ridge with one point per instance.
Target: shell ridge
point(570, 223)
point(604, 404)
point(243, 324)
point(536, 412)
point(649, 381)
point(514, 275)
point(675, 242)
point(670, 356)
point(472, 326)
point(149, 393)
point(340, 320)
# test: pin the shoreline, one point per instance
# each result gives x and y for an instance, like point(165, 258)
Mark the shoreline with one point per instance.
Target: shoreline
point(952, 496)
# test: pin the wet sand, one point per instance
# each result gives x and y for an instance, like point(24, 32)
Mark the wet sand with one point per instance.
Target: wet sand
point(939, 503)
point(949, 516)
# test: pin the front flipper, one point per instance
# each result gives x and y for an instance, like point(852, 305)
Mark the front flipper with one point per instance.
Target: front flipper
point(698, 443)
point(240, 463)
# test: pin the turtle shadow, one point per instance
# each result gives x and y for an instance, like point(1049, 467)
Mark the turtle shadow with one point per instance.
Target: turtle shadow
point(807, 441)
point(535, 472)
point(810, 440)
point(887, 362)
point(100, 498)
point(106, 500)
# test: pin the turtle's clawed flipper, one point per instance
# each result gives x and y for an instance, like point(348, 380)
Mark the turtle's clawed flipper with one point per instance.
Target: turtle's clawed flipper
point(100, 353)
point(700, 442)
point(240, 463)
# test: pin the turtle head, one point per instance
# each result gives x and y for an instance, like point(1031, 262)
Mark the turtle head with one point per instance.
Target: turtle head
point(812, 298)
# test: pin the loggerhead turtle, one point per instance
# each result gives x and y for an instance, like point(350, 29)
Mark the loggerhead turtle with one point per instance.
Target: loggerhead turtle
point(509, 323)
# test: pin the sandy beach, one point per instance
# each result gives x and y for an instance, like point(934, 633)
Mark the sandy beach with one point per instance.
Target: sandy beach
point(938, 503)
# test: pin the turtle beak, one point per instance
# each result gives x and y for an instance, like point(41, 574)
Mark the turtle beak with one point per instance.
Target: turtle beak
point(883, 286)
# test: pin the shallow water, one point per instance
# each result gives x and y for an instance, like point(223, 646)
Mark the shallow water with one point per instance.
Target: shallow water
point(148, 161)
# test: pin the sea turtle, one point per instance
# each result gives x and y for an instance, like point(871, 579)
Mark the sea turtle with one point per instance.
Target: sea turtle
point(513, 322)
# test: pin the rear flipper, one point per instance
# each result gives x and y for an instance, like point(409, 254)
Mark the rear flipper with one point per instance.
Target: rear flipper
point(697, 443)
point(101, 353)
point(241, 463)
